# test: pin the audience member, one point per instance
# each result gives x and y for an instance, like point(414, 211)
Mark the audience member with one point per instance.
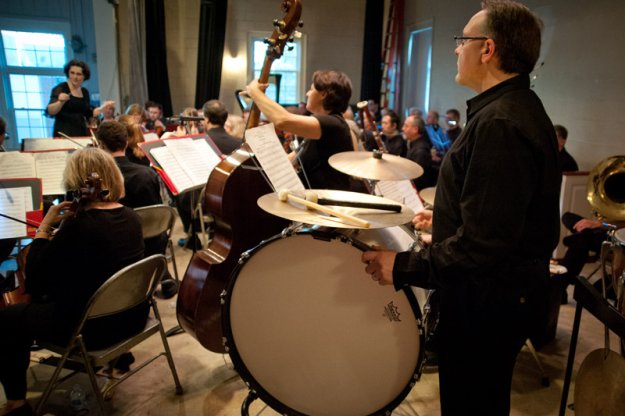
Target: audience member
point(453, 124)
point(419, 150)
point(437, 136)
point(567, 163)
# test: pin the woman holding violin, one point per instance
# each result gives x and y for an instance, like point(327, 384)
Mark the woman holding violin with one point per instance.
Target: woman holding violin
point(97, 236)
point(326, 131)
point(70, 104)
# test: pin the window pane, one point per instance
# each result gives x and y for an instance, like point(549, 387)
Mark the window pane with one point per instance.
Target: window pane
point(20, 100)
point(32, 49)
point(288, 66)
point(17, 83)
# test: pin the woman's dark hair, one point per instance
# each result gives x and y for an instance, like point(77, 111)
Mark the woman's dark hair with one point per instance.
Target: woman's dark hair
point(83, 65)
point(338, 89)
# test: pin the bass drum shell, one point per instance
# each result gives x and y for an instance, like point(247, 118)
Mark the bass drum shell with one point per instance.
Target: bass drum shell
point(312, 333)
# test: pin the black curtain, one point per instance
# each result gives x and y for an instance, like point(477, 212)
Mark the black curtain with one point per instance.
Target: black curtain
point(212, 37)
point(372, 51)
point(156, 54)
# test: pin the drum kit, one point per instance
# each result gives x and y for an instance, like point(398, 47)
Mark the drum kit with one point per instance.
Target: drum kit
point(306, 329)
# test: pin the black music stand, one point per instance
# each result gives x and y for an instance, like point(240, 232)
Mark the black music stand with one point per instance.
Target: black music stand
point(589, 298)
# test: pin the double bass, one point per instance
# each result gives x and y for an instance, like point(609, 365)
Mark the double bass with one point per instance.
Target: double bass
point(230, 196)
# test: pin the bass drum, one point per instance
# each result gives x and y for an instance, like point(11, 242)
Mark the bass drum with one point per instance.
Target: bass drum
point(399, 238)
point(311, 333)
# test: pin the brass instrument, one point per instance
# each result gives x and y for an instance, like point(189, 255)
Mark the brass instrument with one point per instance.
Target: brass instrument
point(606, 194)
point(606, 188)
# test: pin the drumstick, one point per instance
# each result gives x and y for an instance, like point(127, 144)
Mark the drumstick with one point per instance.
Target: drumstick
point(284, 196)
point(313, 197)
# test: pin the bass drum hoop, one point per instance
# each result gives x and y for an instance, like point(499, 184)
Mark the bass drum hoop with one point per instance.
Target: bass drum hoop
point(247, 376)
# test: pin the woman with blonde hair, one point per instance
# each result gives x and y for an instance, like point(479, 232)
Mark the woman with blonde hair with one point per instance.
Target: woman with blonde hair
point(90, 244)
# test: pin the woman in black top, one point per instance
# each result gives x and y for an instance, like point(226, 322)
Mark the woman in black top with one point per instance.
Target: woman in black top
point(69, 102)
point(326, 132)
point(63, 272)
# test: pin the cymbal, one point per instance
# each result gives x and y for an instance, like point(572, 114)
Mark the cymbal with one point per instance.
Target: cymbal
point(375, 165)
point(599, 388)
point(428, 195)
point(298, 213)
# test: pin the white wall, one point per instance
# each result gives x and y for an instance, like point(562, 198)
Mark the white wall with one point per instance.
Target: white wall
point(582, 81)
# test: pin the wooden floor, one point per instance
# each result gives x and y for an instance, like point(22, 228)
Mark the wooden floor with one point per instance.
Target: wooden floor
point(212, 387)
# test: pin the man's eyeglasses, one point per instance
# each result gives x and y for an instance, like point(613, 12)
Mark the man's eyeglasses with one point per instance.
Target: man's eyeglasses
point(460, 40)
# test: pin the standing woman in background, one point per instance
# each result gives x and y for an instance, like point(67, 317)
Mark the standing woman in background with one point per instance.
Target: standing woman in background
point(69, 102)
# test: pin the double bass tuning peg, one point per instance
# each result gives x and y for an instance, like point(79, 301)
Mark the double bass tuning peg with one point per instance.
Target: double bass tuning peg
point(279, 24)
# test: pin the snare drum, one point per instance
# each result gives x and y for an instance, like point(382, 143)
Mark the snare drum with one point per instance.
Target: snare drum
point(311, 333)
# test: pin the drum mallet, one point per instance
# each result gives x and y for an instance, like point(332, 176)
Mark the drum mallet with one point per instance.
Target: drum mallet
point(313, 197)
point(285, 196)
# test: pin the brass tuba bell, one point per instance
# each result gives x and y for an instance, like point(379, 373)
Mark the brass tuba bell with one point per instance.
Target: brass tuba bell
point(606, 188)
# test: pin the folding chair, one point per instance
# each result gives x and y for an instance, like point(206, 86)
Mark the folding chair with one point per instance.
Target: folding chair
point(126, 289)
point(158, 219)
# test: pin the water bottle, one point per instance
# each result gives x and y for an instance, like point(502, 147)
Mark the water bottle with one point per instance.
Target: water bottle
point(77, 398)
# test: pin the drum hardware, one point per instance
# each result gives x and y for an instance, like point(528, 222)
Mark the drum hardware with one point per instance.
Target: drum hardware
point(375, 165)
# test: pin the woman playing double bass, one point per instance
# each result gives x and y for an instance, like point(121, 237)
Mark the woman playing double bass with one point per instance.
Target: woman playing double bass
point(326, 131)
point(63, 272)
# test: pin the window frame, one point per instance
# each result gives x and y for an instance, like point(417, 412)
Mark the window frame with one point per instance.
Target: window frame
point(300, 81)
point(34, 26)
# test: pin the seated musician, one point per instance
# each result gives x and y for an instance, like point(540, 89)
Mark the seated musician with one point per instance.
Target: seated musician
point(141, 188)
point(326, 131)
point(63, 272)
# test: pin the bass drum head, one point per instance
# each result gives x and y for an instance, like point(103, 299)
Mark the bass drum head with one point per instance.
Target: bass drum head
point(312, 333)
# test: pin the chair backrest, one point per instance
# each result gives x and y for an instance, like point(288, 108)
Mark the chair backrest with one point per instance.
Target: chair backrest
point(127, 288)
point(156, 219)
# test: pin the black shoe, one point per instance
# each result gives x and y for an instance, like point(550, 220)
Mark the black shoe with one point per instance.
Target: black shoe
point(193, 243)
point(168, 289)
point(123, 362)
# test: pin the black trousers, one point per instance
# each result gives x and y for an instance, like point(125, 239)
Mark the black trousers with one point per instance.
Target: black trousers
point(481, 331)
point(579, 244)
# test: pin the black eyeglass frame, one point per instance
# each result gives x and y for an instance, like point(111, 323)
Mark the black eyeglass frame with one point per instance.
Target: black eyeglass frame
point(460, 40)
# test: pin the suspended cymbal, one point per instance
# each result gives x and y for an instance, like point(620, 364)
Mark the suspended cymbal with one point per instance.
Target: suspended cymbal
point(428, 195)
point(599, 387)
point(298, 213)
point(375, 165)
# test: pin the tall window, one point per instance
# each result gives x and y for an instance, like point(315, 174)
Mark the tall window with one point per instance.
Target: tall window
point(288, 69)
point(31, 65)
point(418, 69)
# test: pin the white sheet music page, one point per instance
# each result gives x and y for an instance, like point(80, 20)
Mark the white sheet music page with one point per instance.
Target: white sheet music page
point(172, 168)
point(273, 159)
point(55, 144)
point(17, 165)
point(14, 202)
point(50, 167)
point(195, 157)
point(402, 192)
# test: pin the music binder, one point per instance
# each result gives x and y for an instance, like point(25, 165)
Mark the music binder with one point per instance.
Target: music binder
point(20, 198)
point(183, 163)
point(47, 165)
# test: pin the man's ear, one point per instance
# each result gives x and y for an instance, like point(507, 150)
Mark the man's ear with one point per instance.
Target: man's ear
point(488, 50)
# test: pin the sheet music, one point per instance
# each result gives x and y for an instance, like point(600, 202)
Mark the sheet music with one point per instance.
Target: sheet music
point(55, 144)
point(14, 202)
point(402, 192)
point(271, 156)
point(170, 165)
point(150, 137)
point(50, 167)
point(195, 157)
point(17, 165)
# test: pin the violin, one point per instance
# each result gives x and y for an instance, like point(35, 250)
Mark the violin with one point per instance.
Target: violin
point(230, 196)
point(91, 192)
point(363, 110)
